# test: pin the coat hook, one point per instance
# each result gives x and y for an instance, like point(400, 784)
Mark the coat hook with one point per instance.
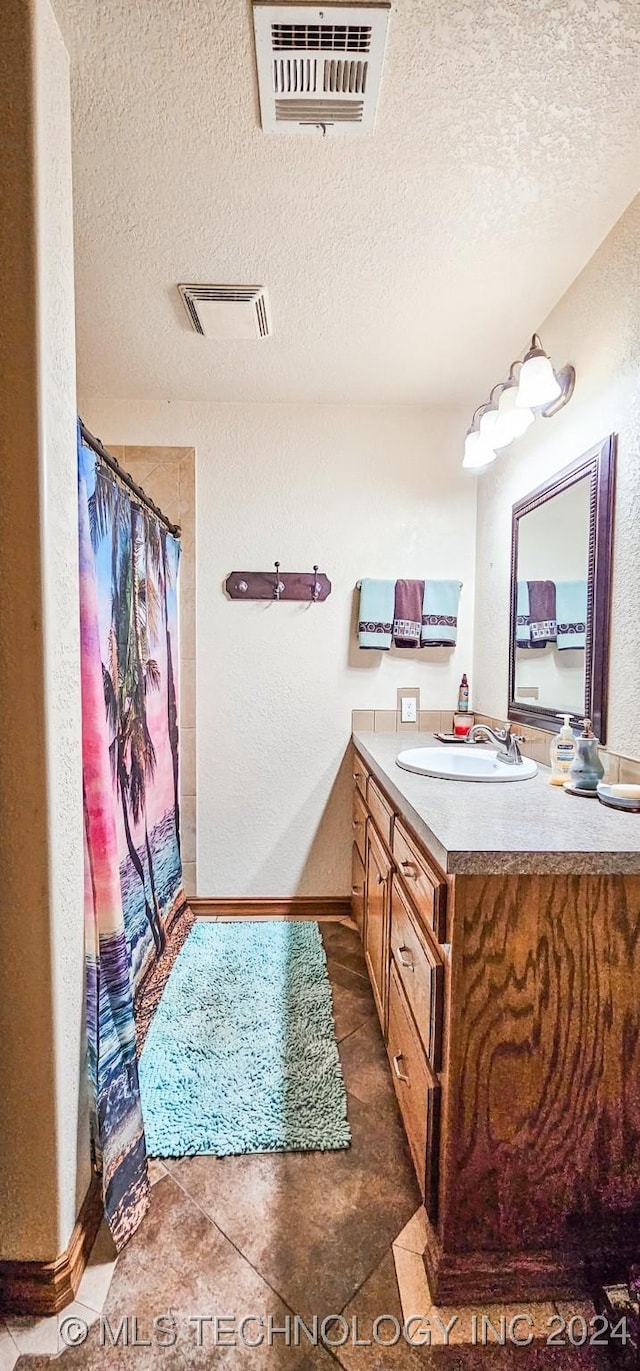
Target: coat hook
point(316, 584)
point(278, 584)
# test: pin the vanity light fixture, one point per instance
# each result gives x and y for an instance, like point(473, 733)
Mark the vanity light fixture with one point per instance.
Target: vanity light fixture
point(537, 383)
point(514, 404)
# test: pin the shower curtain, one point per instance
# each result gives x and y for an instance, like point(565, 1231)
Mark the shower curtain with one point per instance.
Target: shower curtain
point(136, 916)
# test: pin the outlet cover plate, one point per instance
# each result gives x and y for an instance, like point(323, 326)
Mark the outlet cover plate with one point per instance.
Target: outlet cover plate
point(409, 694)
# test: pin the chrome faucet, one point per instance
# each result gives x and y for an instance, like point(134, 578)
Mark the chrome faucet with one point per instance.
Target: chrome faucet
point(503, 737)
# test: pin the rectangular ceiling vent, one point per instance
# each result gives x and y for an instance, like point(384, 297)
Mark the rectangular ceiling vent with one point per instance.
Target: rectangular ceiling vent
point(228, 312)
point(319, 70)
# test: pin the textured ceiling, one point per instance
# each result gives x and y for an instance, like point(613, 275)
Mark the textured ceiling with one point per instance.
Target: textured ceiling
point(408, 266)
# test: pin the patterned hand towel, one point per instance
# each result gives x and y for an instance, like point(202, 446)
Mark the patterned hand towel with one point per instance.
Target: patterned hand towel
point(440, 613)
point(407, 614)
point(571, 611)
point(542, 612)
point(523, 626)
point(375, 618)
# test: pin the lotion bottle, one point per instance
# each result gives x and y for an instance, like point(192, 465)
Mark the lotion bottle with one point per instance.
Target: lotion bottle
point(562, 752)
point(463, 695)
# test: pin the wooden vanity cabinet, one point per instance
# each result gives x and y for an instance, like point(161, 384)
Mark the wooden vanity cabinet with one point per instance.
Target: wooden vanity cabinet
point(514, 1050)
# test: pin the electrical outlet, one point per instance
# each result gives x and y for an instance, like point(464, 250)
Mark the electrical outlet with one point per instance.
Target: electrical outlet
point(408, 709)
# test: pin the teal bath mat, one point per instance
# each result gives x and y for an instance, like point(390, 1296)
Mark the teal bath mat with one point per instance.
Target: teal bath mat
point(241, 1055)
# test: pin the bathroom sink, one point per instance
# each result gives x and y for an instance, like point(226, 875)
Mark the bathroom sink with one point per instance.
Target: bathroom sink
point(464, 762)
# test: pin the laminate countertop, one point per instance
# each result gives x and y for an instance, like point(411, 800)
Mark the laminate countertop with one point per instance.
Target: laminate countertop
point(524, 827)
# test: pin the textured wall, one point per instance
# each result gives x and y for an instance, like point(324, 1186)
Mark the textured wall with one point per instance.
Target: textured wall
point(44, 1151)
point(361, 491)
point(596, 325)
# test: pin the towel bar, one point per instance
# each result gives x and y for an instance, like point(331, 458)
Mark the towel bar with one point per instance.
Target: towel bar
point(359, 585)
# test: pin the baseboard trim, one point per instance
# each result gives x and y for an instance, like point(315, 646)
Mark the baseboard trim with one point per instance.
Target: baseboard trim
point(44, 1288)
point(296, 907)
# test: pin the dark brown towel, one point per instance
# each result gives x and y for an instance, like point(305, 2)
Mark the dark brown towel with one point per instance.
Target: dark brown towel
point(407, 614)
point(542, 612)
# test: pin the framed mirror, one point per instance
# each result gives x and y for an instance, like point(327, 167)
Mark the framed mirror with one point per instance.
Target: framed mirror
point(561, 556)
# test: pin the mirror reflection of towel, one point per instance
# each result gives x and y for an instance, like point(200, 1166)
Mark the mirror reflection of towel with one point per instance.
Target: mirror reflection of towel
point(571, 610)
point(523, 626)
point(542, 612)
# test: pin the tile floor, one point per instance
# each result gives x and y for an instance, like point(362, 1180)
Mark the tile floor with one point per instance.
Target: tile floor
point(271, 1237)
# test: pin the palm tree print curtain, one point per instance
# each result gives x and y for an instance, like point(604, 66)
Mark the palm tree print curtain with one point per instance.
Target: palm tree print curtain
point(134, 900)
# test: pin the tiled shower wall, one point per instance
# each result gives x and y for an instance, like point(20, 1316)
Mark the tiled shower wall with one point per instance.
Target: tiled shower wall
point(168, 475)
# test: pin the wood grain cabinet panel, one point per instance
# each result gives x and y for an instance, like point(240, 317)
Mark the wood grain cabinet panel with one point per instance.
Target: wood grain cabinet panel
point(420, 970)
point(418, 1094)
point(426, 886)
point(357, 888)
point(359, 822)
point(376, 924)
point(380, 811)
point(360, 775)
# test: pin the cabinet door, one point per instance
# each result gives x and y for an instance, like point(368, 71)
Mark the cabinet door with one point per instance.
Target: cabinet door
point(359, 822)
point(357, 888)
point(376, 929)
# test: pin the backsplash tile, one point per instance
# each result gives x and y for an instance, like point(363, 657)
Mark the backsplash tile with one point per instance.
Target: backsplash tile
point(362, 721)
point(385, 721)
point(629, 771)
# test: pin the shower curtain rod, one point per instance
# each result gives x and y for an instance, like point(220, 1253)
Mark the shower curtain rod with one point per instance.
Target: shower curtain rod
point(126, 479)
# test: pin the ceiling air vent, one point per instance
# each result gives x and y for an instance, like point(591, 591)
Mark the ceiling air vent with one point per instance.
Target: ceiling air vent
point(319, 70)
point(228, 311)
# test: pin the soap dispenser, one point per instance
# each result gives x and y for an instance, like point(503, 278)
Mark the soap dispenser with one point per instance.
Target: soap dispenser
point(562, 752)
point(586, 769)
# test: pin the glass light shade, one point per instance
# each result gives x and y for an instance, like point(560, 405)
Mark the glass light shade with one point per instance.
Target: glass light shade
point(516, 420)
point(495, 430)
point(477, 452)
point(537, 384)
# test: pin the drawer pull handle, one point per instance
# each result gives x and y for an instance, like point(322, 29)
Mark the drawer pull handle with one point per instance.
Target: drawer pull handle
point(407, 962)
point(357, 775)
point(409, 871)
point(381, 878)
point(356, 890)
point(356, 823)
point(396, 1066)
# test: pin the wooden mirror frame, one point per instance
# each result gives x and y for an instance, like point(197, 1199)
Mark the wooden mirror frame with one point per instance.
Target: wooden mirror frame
point(599, 465)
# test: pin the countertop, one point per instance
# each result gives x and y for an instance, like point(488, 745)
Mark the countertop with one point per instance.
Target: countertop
point(525, 827)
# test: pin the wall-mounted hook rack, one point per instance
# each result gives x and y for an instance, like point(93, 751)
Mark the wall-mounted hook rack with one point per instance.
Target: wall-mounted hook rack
point(312, 586)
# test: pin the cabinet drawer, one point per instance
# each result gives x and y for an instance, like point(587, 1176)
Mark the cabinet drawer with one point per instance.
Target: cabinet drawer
point(418, 1095)
point(359, 822)
point(360, 775)
point(380, 811)
point(357, 887)
point(427, 889)
point(420, 970)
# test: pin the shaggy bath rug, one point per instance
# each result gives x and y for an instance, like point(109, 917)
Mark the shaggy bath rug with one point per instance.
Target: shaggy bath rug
point(241, 1055)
